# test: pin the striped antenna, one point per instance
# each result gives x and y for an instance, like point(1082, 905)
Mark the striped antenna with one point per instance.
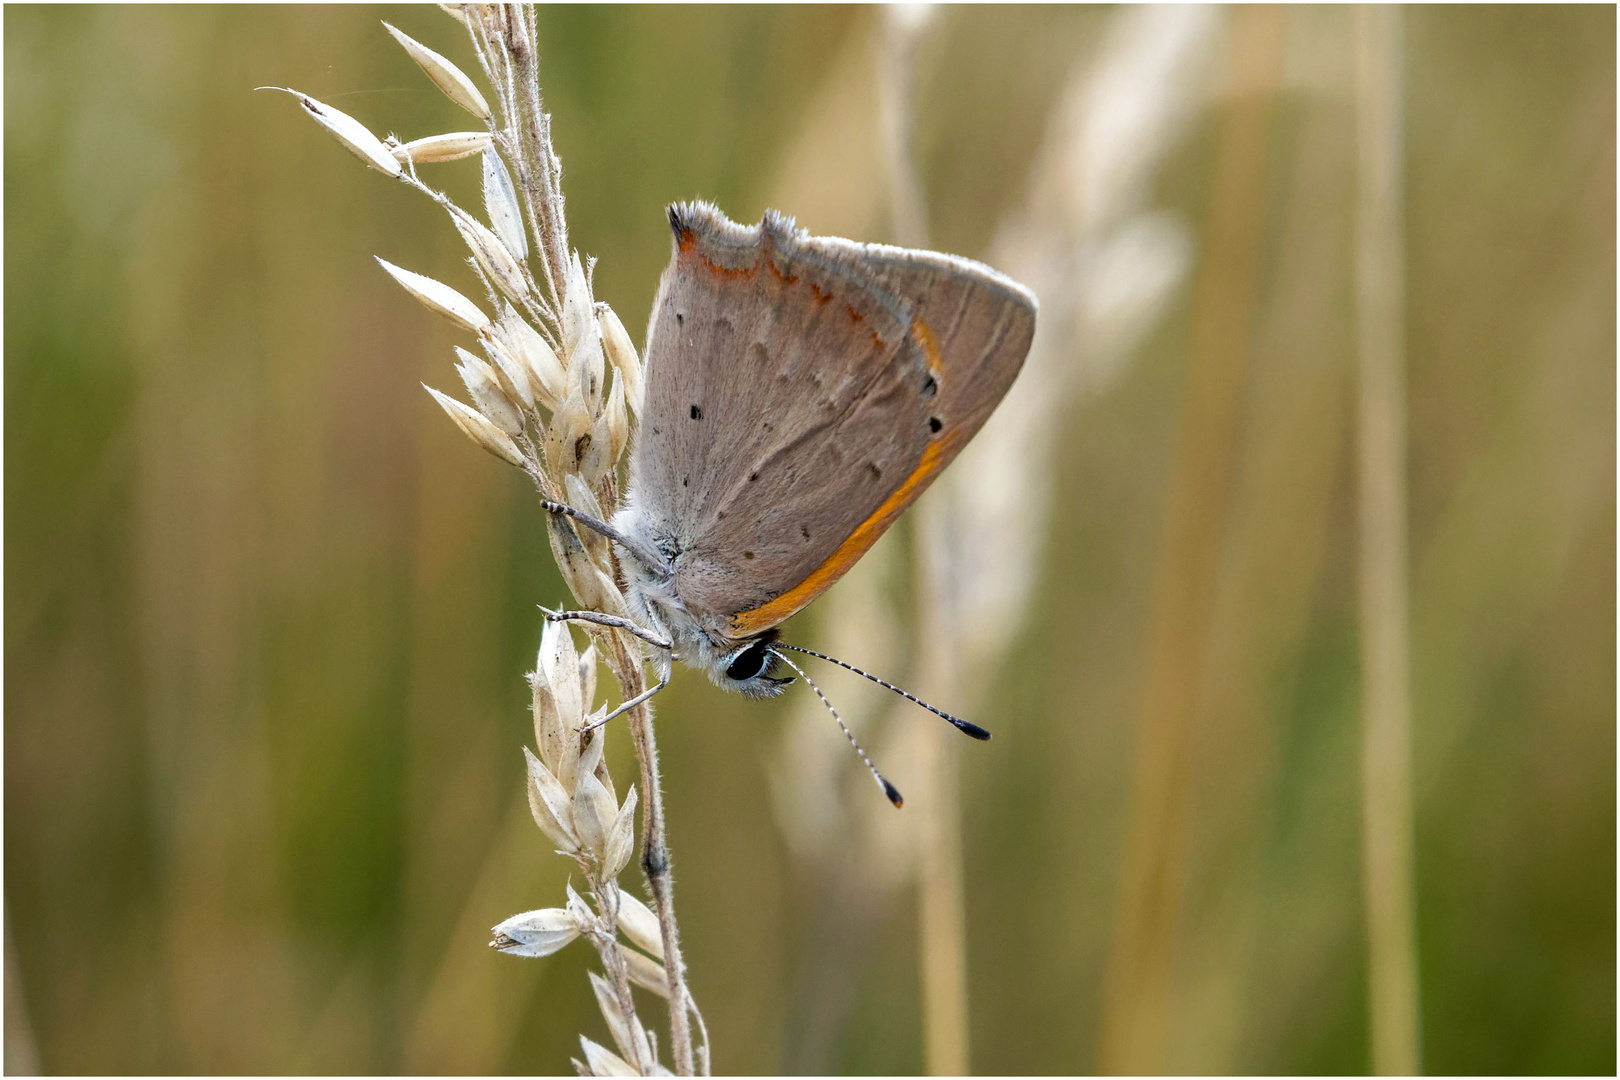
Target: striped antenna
point(889, 789)
point(957, 722)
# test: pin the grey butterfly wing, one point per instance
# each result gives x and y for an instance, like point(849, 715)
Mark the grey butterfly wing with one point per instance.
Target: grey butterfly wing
point(781, 402)
point(794, 407)
point(976, 323)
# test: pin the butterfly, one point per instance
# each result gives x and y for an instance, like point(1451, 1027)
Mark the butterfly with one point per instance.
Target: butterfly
point(801, 392)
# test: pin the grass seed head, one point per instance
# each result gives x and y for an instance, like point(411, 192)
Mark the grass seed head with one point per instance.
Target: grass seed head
point(484, 387)
point(579, 310)
point(535, 933)
point(355, 136)
point(621, 353)
point(644, 971)
point(478, 429)
point(583, 915)
point(557, 667)
point(514, 377)
point(445, 75)
point(452, 146)
point(624, 1028)
point(621, 841)
point(587, 674)
point(604, 1062)
point(493, 258)
point(438, 297)
point(545, 370)
point(640, 925)
point(501, 205)
point(551, 805)
point(570, 424)
point(550, 373)
point(616, 420)
point(455, 12)
point(594, 815)
point(591, 743)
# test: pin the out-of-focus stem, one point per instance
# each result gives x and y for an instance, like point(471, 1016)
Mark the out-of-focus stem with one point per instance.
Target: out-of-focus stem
point(942, 917)
point(1136, 1006)
point(941, 922)
point(896, 46)
point(1386, 749)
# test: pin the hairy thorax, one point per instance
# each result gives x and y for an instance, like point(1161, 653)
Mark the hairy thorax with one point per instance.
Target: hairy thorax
point(653, 597)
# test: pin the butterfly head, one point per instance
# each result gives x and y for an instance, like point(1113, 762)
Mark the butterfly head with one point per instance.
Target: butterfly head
point(748, 668)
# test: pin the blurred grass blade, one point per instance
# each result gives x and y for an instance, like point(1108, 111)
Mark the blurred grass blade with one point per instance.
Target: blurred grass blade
point(1386, 707)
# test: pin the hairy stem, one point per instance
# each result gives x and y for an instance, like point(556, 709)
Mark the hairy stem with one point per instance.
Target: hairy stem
point(510, 56)
point(655, 850)
point(607, 947)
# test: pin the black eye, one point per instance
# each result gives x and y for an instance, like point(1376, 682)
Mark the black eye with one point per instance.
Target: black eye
point(750, 662)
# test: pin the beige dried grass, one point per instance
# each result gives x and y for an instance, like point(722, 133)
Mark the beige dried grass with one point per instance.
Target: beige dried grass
point(545, 400)
point(1386, 755)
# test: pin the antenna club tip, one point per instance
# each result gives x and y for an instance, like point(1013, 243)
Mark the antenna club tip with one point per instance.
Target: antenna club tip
point(892, 792)
point(973, 730)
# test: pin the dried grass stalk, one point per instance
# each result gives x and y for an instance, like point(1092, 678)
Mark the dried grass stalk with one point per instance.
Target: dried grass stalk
point(543, 400)
point(1135, 1014)
point(1386, 769)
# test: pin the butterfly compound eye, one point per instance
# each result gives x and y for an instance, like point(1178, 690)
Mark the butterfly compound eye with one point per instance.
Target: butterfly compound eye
point(751, 662)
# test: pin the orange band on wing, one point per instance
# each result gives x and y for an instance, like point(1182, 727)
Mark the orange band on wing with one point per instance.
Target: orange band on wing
point(923, 335)
point(849, 552)
point(934, 457)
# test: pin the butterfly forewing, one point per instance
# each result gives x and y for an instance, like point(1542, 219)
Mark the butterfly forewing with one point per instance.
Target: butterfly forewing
point(800, 393)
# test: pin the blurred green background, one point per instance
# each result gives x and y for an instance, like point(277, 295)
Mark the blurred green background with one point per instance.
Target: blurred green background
point(267, 611)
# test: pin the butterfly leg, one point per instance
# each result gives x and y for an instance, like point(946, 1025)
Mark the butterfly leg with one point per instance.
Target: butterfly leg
point(641, 552)
point(627, 706)
point(602, 619)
